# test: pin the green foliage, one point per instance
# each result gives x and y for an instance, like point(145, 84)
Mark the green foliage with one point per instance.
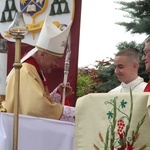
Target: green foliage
point(99, 80)
point(139, 13)
point(105, 70)
point(83, 84)
point(132, 45)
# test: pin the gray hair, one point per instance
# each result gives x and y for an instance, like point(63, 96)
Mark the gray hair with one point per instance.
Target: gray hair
point(147, 40)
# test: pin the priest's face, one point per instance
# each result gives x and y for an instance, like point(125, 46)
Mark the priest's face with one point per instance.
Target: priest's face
point(146, 56)
point(48, 62)
point(125, 69)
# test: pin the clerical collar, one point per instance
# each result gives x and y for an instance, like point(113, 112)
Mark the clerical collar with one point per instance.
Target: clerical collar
point(132, 84)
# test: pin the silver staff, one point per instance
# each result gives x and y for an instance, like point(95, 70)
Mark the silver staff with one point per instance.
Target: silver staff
point(66, 67)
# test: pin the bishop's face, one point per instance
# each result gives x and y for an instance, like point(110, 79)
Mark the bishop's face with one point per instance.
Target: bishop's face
point(48, 62)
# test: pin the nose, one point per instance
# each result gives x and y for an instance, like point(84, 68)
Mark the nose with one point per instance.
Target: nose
point(116, 70)
point(143, 57)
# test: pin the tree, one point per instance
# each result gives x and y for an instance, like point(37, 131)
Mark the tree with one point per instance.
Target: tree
point(83, 83)
point(105, 70)
point(138, 11)
point(87, 77)
point(100, 79)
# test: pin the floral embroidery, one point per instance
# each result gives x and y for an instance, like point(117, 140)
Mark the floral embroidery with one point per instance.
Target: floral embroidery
point(117, 132)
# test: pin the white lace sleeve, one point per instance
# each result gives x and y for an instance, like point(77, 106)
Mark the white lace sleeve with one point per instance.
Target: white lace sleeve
point(68, 114)
point(55, 96)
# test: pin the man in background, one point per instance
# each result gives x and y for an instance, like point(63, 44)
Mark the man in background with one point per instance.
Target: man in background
point(126, 64)
point(146, 59)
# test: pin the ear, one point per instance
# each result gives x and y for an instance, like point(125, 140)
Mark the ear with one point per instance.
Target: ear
point(42, 54)
point(136, 65)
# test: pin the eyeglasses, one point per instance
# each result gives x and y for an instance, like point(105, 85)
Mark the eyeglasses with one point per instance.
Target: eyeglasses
point(145, 52)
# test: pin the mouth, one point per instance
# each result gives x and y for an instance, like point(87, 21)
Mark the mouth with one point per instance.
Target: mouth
point(145, 62)
point(118, 76)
